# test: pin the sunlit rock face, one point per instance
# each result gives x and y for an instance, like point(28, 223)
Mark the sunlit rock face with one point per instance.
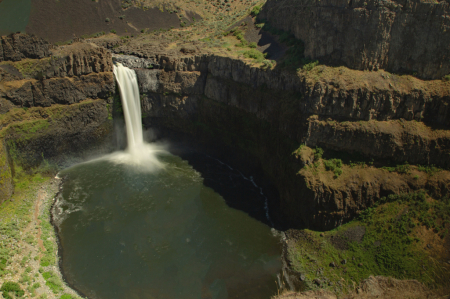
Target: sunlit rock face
point(399, 36)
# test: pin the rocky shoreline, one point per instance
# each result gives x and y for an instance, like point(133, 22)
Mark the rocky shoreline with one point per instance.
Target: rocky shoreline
point(35, 266)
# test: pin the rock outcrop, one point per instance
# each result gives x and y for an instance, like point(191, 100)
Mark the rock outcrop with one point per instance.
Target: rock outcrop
point(398, 141)
point(72, 74)
point(18, 46)
point(53, 102)
point(399, 36)
point(268, 114)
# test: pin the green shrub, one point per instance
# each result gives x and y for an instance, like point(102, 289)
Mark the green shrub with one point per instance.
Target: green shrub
point(113, 31)
point(238, 34)
point(242, 44)
point(255, 54)
point(267, 64)
point(429, 169)
point(405, 168)
point(53, 282)
point(256, 10)
point(446, 78)
point(334, 165)
point(318, 152)
point(253, 45)
point(66, 296)
point(309, 66)
point(11, 287)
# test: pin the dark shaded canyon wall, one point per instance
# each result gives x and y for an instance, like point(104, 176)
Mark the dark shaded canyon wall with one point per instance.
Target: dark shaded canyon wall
point(268, 114)
point(398, 36)
point(18, 46)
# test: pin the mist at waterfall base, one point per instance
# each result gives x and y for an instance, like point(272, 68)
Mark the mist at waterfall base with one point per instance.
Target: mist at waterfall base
point(140, 155)
point(128, 233)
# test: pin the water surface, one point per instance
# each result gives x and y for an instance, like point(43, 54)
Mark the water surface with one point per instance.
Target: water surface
point(164, 234)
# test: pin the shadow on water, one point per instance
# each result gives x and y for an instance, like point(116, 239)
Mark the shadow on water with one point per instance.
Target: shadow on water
point(171, 234)
point(237, 179)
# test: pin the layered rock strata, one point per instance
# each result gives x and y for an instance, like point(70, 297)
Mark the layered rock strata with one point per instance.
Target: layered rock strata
point(54, 101)
point(399, 36)
point(268, 114)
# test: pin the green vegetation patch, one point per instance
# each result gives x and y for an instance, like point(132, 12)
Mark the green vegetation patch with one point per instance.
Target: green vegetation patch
point(28, 129)
point(385, 240)
point(255, 54)
point(334, 165)
point(11, 290)
point(31, 68)
point(53, 282)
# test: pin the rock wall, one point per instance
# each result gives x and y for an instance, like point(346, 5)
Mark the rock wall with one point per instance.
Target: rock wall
point(19, 46)
point(72, 74)
point(377, 98)
point(62, 130)
point(400, 35)
point(53, 102)
point(268, 114)
point(396, 141)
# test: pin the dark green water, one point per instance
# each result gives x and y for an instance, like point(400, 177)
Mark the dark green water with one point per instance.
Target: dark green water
point(14, 15)
point(128, 234)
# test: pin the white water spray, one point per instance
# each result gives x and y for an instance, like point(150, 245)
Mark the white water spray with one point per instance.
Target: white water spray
point(138, 152)
point(140, 155)
point(129, 94)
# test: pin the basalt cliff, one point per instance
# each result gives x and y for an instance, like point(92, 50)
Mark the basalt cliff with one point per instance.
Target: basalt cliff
point(53, 101)
point(399, 36)
point(58, 99)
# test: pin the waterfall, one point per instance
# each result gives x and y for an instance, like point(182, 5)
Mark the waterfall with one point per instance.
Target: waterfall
point(139, 153)
point(129, 94)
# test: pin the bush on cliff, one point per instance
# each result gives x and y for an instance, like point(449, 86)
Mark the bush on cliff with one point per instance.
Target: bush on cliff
point(334, 165)
point(255, 54)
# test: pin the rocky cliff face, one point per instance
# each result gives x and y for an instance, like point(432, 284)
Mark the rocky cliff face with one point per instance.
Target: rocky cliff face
point(19, 46)
point(53, 101)
point(400, 36)
point(268, 114)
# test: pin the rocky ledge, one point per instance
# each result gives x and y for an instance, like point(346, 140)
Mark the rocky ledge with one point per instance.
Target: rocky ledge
point(53, 101)
point(375, 119)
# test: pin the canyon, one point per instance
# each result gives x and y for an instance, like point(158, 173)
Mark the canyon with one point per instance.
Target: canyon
point(379, 102)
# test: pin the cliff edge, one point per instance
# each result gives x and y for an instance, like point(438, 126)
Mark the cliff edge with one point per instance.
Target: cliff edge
point(405, 36)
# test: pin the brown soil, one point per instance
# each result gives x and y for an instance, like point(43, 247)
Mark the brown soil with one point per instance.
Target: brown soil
point(37, 206)
point(65, 20)
point(374, 287)
point(353, 234)
point(320, 294)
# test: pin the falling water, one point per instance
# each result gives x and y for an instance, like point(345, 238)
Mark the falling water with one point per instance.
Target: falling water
point(129, 94)
point(140, 154)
